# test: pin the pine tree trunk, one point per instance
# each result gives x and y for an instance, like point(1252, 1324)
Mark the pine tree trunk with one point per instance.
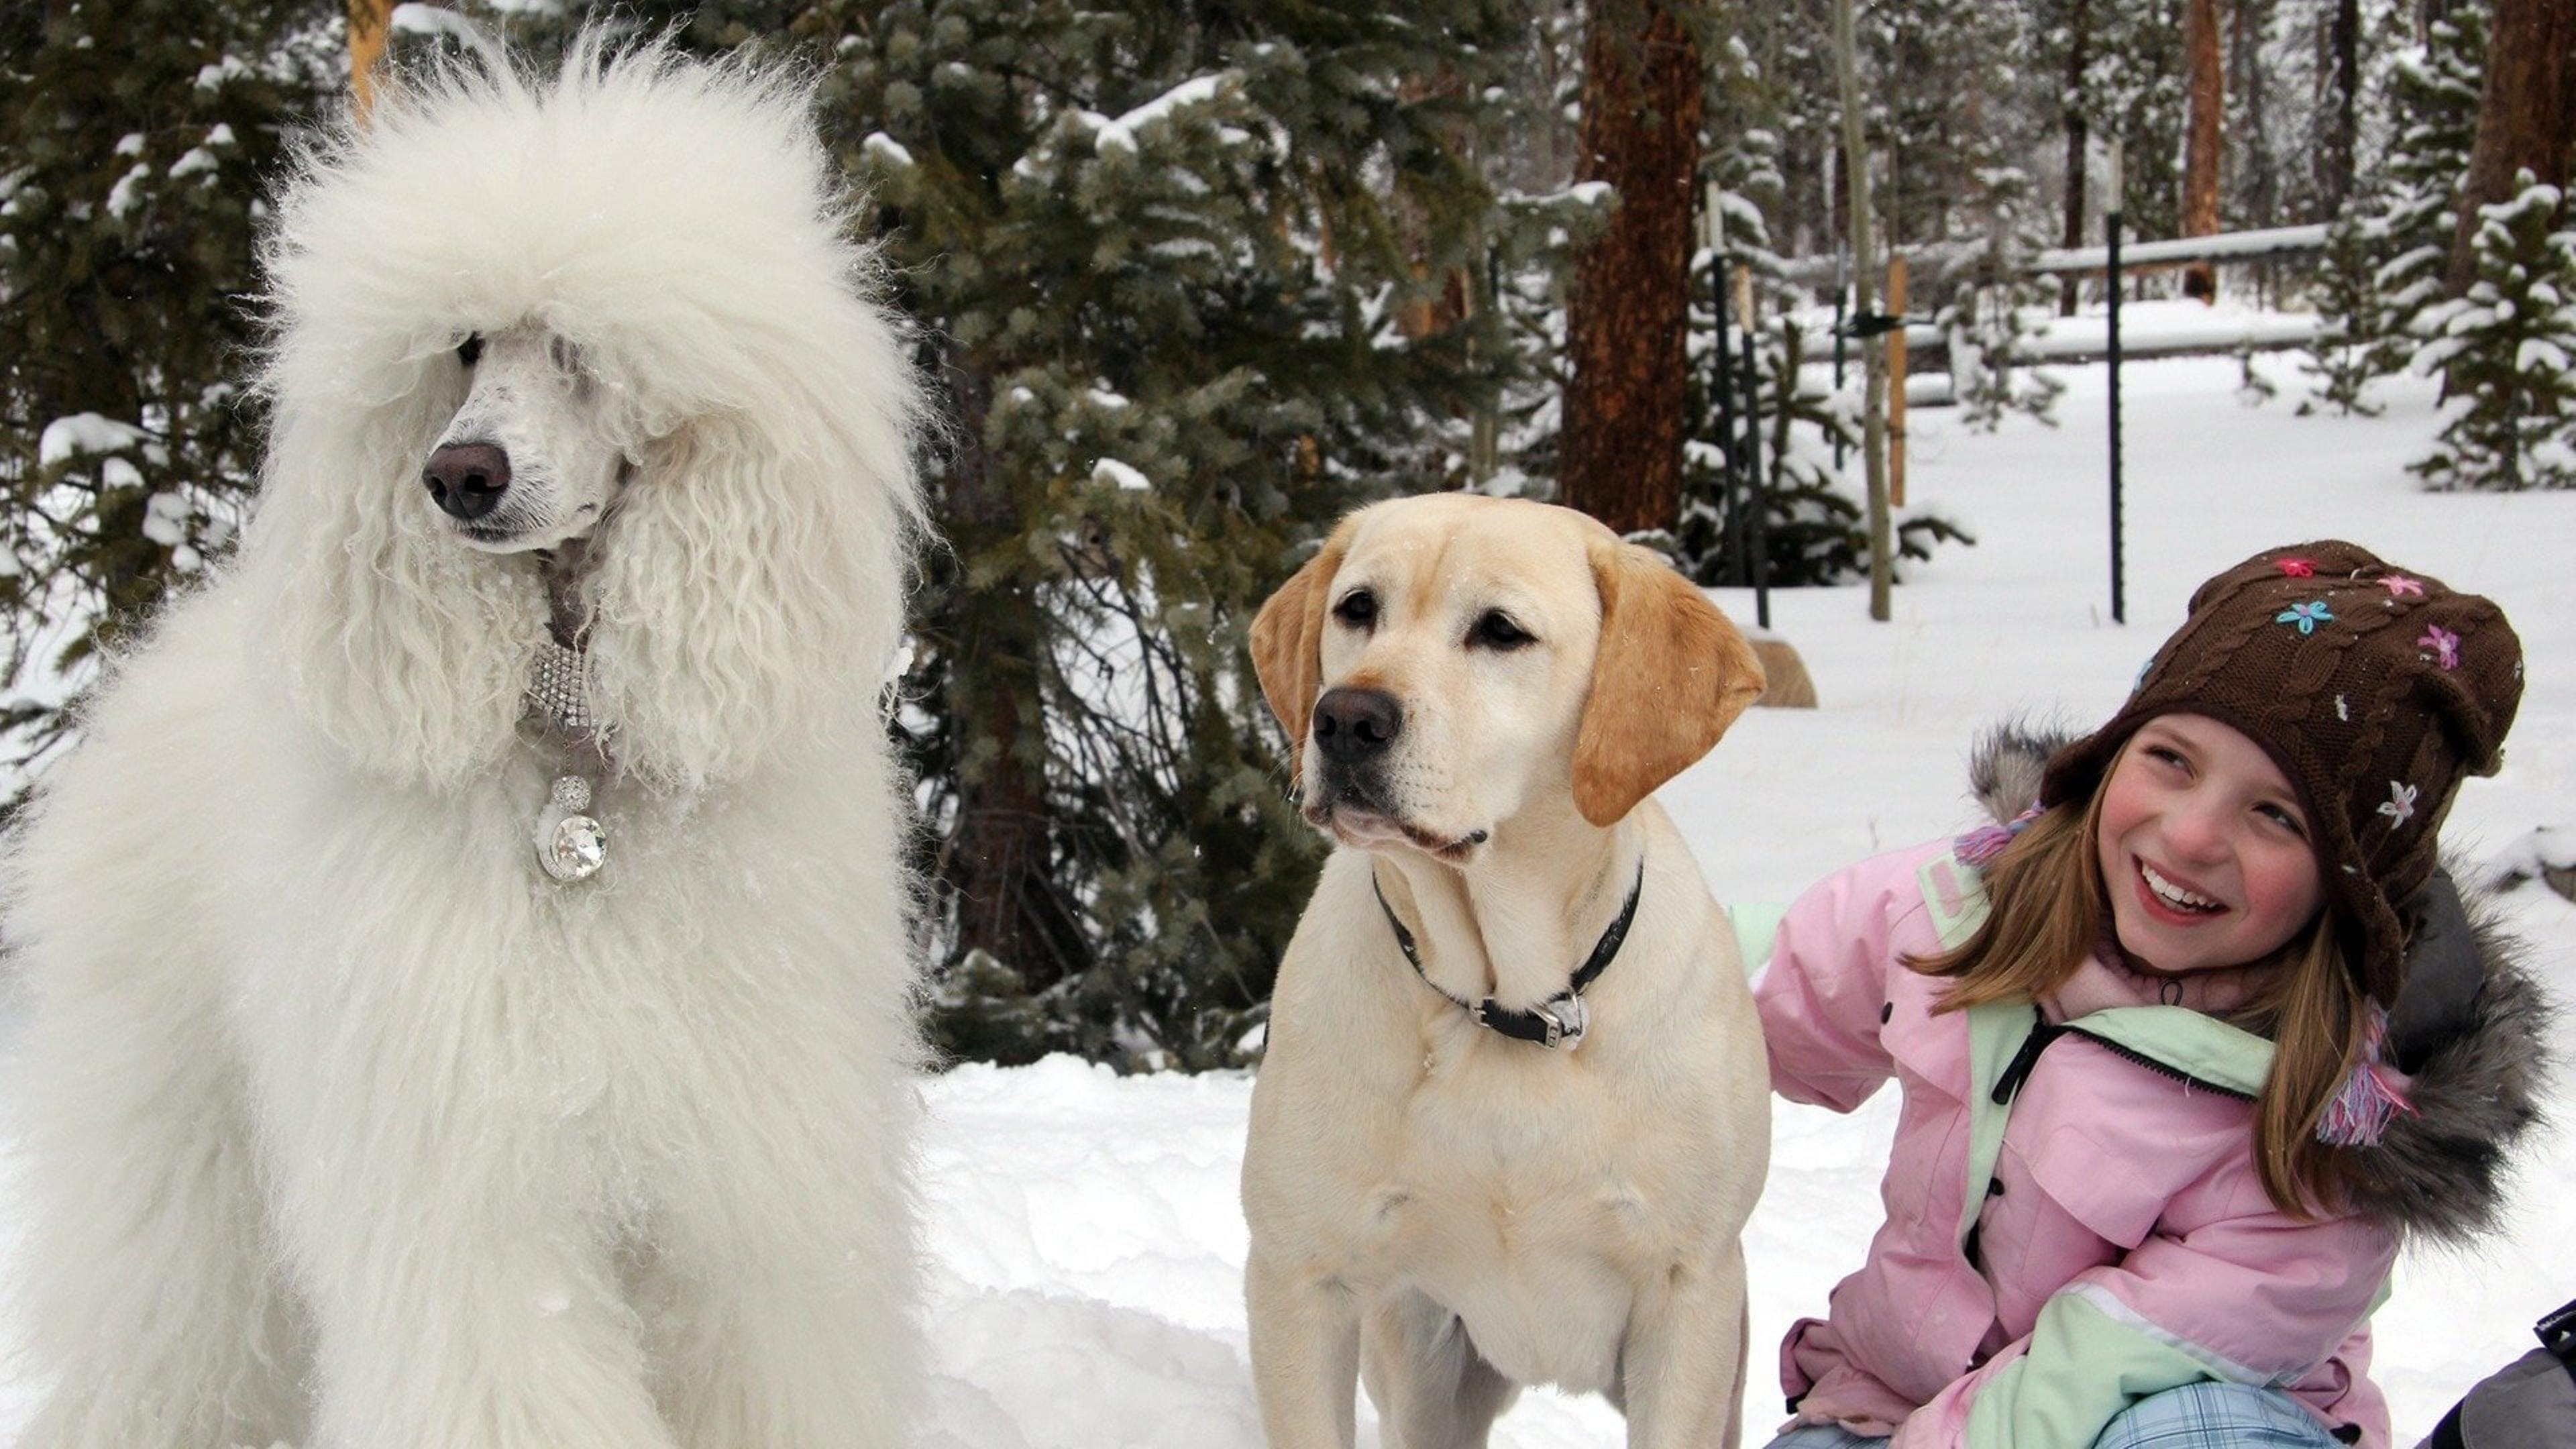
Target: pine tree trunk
point(999, 863)
point(2256, 198)
point(2526, 114)
point(2342, 118)
point(2079, 44)
point(370, 26)
point(1629, 306)
point(2200, 141)
point(1882, 568)
point(1430, 312)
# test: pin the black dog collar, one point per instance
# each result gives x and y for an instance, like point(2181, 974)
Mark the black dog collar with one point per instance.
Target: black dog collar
point(1558, 1021)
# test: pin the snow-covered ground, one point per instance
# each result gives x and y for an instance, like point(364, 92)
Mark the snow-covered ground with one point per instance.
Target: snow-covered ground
point(1084, 1239)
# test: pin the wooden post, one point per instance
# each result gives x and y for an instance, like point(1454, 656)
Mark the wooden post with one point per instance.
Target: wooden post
point(370, 25)
point(1896, 276)
point(1882, 574)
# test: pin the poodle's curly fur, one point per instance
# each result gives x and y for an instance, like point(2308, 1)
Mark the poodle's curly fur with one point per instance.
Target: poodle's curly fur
point(345, 1125)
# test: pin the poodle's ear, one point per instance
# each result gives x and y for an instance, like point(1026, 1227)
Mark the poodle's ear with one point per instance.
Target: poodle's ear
point(1288, 634)
point(1671, 674)
point(408, 653)
point(750, 583)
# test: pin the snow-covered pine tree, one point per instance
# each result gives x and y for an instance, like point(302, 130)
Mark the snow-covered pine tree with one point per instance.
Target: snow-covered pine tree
point(2504, 351)
point(135, 141)
point(2353, 317)
point(1994, 363)
point(2387, 248)
point(1174, 267)
point(2435, 93)
point(2134, 86)
point(1813, 530)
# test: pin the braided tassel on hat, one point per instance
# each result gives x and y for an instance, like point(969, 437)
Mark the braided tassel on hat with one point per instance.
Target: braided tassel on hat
point(2371, 1094)
point(1980, 846)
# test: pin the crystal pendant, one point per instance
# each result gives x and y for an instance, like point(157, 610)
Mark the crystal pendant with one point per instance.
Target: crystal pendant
point(570, 844)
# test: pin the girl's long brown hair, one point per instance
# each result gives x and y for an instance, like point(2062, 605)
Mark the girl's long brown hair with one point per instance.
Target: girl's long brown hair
point(2050, 908)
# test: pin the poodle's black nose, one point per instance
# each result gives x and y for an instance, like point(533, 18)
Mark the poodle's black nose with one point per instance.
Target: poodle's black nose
point(466, 479)
point(1352, 725)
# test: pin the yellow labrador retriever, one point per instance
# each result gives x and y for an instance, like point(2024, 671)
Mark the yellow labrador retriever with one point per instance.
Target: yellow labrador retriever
point(1514, 1110)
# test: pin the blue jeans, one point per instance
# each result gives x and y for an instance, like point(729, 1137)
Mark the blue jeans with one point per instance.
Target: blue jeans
point(2195, 1416)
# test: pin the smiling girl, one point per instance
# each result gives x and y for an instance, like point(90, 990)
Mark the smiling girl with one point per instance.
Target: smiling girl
point(2186, 1050)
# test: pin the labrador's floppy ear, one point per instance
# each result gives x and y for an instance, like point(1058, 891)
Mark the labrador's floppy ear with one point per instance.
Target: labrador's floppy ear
point(1288, 638)
point(1671, 674)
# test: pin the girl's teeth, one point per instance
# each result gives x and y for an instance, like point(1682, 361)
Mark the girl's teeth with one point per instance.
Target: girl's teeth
point(2173, 894)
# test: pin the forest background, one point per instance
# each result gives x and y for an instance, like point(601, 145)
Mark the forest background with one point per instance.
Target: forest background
point(1191, 279)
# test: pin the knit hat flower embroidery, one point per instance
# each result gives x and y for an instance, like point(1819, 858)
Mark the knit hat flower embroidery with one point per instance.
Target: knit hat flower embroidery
point(2375, 689)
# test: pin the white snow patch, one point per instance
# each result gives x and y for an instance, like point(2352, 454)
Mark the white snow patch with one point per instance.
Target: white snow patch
point(1120, 134)
point(121, 198)
point(886, 148)
point(419, 19)
point(1110, 470)
point(82, 433)
point(212, 77)
point(165, 518)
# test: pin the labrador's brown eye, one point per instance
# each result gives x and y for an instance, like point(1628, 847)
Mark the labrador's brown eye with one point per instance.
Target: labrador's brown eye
point(1358, 609)
point(1495, 630)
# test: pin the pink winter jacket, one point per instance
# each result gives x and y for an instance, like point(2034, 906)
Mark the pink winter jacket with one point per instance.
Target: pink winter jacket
point(2098, 1236)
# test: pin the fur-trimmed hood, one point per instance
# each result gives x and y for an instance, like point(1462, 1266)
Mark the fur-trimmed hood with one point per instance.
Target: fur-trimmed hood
point(2471, 1028)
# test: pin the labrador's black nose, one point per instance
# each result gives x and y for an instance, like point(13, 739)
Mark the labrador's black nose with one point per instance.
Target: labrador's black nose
point(467, 479)
point(1352, 725)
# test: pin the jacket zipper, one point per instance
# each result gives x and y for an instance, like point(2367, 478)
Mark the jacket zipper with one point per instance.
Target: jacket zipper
point(2150, 1063)
point(2018, 1070)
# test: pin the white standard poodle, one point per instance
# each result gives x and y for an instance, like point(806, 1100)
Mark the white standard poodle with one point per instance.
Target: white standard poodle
point(379, 1091)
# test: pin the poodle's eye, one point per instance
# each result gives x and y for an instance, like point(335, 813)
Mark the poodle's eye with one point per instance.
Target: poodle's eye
point(470, 351)
point(1358, 609)
point(1495, 630)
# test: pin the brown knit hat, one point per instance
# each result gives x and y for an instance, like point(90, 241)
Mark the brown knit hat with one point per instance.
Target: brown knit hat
point(2373, 688)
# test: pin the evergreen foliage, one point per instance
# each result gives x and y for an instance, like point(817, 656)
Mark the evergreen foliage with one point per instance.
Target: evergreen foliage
point(1813, 531)
point(2353, 319)
point(1994, 365)
point(1201, 278)
point(2134, 87)
point(135, 139)
point(2504, 351)
point(2436, 94)
point(2383, 269)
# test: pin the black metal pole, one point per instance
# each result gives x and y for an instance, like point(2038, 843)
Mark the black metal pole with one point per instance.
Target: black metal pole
point(1842, 290)
point(1753, 490)
point(2119, 597)
point(1759, 513)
